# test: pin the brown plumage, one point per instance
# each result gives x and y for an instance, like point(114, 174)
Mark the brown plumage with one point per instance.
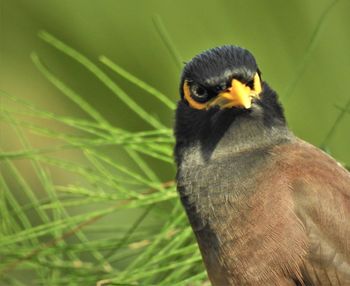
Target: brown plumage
point(266, 207)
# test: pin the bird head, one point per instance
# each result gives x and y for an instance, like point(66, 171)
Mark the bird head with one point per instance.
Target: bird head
point(223, 77)
point(222, 93)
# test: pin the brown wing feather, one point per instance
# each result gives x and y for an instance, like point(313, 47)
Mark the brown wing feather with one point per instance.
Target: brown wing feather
point(277, 216)
point(321, 191)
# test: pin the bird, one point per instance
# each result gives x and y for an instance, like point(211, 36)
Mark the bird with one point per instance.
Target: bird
point(265, 207)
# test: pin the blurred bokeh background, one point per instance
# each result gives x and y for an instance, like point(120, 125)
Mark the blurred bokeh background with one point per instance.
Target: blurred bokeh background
point(302, 48)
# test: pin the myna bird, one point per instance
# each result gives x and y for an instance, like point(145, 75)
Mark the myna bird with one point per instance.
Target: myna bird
point(266, 207)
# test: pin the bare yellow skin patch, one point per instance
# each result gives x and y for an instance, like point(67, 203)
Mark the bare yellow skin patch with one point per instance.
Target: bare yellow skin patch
point(190, 100)
point(257, 84)
point(238, 95)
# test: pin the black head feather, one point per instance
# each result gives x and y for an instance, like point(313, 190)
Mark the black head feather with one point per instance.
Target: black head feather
point(214, 70)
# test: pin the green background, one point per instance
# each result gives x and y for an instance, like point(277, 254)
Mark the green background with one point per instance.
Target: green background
point(302, 48)
point(277, 32)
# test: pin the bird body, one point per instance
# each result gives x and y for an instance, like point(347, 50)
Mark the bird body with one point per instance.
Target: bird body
point(266, 207)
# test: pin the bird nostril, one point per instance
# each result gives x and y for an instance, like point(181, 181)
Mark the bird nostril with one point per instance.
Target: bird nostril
point(221, 87)
point(218, 88)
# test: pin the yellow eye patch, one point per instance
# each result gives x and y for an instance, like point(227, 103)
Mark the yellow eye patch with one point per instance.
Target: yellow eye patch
point(238, 95)
point(190, 100)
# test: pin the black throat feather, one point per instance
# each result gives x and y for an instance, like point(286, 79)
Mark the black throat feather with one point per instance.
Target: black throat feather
point(207, 127)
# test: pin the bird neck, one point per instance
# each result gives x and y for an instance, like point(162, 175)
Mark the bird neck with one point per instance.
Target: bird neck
point(248, 134)
point(211, 135)
point(229, 131)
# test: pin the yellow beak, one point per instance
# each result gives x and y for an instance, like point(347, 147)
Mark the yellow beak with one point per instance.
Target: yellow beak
point(238, 95)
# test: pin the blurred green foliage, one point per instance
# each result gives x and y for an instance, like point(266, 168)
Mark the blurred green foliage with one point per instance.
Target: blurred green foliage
point(277, 32)
point(87, 190)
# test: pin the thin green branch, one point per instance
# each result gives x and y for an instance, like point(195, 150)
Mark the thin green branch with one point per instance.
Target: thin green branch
point(333, 128)
point(121, 94)
point(165, 37)
point(143, 85)
point(310, 48)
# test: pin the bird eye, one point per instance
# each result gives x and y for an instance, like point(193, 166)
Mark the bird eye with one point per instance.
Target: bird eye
point(199, 93)
point(251, 84)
